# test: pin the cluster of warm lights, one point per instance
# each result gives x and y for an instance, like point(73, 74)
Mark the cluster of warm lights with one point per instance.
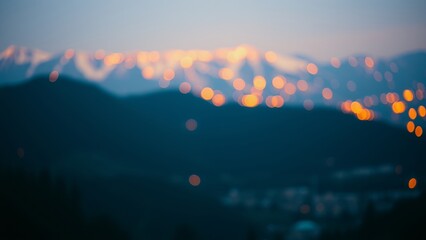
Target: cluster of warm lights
point(272, 91)
point(274, 101)
point(358, 109)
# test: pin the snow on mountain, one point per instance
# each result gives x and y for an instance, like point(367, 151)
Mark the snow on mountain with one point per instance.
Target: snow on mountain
point(388, 89)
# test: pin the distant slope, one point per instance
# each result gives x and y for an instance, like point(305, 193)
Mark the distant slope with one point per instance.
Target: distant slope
point(147, 134)
point(134, 154)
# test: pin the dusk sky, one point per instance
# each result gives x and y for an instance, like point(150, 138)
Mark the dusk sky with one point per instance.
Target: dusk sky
point(320, 29)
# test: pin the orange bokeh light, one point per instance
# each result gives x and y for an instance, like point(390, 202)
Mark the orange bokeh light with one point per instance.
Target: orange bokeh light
point(278, 82)
point(418, 131)
point(186, 62)
point(207, 93)
point(226, 73)
point(302, 85)
point(53, 76)
point(327, 93)
point(369, 62)
point(185, 87)
point(169, 74)
point(271, 57)
point(412, 113)
point(194, 180)
point(239, 84)
point(412, 183)
point(408, 95)
point(335, 62)
point(422, 111)
point(312, 68)
point(398, 107)
point(218, 100)
point(148, 72)
point(259, 82)
point(410, 126)
point(250, 100)
point(290, 88)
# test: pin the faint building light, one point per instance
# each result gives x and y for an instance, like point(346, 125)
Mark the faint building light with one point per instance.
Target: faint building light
point(20, 152)
point(351, 85)
point(335, 62)
point(191, 125)
point(353, 62)
point(290, 88)
point(113, 59)
point(185, 87)
point(205, 56)
point(53, 76)
point(312, 69)
point(369, 62)
point(305, 209)
point(99, 54)
point(69, 54)
point(398, 169)
point(154, 56)
point(164, 84)
point(169, 74)
point(308, 104)
point(377, 76)
point(346, 106)
point(194, 180)
point(420, 94)
point(327, 93)
point(388, 76)
point(302, 85)
point(393, 67)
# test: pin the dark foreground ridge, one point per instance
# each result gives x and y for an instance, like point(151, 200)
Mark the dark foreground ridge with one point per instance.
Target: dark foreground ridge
point(132, 157)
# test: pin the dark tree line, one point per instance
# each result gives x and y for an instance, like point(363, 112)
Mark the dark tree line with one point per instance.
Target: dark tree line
point(38, 206)
point(406, 221)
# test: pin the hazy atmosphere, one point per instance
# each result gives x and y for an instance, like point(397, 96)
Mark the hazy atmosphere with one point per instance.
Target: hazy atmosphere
point(213, 120)
point(320, 29)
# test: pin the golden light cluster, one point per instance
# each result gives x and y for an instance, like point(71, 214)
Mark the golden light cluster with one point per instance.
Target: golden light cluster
point(192, 72)
point(361, 112)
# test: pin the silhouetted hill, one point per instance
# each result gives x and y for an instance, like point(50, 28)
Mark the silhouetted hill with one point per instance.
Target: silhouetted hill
point(53, 121)
point(38, 206)
point(129, 151)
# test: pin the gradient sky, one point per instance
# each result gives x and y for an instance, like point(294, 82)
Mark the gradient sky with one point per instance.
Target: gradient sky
point(320, 29)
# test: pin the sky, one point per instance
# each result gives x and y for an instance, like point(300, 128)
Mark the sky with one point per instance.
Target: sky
point(319, 29)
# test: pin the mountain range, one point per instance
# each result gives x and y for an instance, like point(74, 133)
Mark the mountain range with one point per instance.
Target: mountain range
point(132, 144)
point(386, 89)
